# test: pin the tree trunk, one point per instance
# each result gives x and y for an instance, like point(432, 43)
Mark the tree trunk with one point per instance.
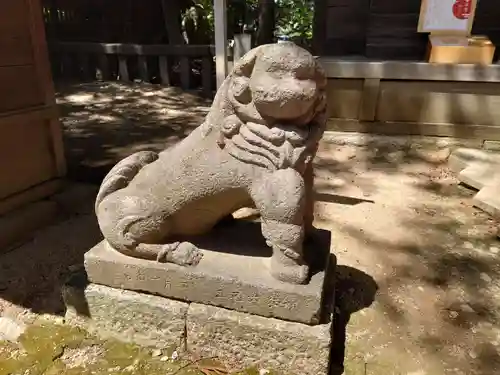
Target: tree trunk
point(267, 23)
point(172, 18)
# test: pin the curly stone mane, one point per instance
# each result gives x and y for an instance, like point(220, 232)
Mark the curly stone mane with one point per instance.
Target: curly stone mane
point(271, 142)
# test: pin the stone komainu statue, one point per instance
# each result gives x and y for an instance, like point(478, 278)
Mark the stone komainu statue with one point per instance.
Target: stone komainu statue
point(255, 148)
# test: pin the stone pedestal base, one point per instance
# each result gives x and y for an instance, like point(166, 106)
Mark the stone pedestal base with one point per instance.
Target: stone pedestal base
point(232, 274)
point(254, 341)
point(127, 316)
point(238, 339)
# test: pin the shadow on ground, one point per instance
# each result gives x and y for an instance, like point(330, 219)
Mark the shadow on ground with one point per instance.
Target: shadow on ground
point(411, 225)
point(354, 291)
point(105, 122)
point(32, 273)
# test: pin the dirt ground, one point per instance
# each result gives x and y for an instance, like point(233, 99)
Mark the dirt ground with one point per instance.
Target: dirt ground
point(417, 290)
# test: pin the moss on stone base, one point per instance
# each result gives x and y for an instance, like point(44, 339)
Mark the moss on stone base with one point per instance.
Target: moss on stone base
point(56, 349)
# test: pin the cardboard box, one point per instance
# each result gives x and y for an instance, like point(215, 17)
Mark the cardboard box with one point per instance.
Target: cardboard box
point(460, 49)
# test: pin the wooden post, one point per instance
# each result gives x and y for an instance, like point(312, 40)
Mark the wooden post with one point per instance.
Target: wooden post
point(242, 44)
point(185, 72)
point(220, 9)
point(123, 68)
point(319, 26)
point(206, 75)
point(103, 66)
point(163, 65)
point(143, 68)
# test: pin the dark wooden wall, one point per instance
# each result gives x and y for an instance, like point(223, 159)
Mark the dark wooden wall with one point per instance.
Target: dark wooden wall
point(385, 29)
point(31, 152)
point(105, 21)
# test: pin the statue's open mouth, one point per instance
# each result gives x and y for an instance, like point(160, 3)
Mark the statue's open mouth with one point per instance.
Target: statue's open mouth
point(247, 111)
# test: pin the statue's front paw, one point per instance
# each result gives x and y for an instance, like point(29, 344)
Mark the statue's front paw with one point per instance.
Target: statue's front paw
point(187, 254)
point(181, 253)
point(289, 273)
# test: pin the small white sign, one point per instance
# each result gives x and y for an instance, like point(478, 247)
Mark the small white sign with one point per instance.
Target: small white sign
point(444, 16)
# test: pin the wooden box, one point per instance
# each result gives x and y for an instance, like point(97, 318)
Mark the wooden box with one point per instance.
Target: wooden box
point(460, 49)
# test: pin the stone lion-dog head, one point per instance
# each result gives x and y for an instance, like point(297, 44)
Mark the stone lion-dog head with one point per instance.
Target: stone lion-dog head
point(272, 107)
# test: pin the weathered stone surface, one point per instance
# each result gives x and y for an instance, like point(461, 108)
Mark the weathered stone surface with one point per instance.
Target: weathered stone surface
point(245, 340)
point(255, 147)
point(10, 329)
point(481, 170)
point(488, 198)
point(492, 145)
point(478, 175)
point(128, 316)
point(231, 274)
point(463, 157)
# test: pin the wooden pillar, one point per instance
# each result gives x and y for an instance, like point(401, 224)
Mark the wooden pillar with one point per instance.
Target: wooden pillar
point(242, 44)
point(319, 26)
point(220, 9)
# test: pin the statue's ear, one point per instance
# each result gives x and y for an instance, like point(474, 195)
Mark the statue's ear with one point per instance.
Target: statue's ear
point(245, 65)
point(320, 76)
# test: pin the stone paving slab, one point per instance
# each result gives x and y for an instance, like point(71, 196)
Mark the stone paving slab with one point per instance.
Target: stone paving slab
point(488, 198)
point(250, 340)
point(464, 157)
point(233, 275)
point(10, 329)
point(479, 169)
point(478, 175)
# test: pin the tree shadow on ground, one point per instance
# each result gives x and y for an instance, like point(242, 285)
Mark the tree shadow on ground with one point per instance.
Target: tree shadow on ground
point(105, 122)
point(354, 290)
point(388, 155)
point(32, 273)
point(439, 293)
point(464, 279)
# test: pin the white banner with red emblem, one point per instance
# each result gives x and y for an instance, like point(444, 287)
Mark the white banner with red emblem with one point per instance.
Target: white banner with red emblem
point(447, 16)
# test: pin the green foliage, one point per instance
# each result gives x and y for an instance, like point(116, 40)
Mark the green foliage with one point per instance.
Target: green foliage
point(197, 23)
point(294, 18)
point(201, 7)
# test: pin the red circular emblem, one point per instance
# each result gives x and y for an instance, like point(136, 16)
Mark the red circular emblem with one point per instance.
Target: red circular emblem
point(462, 9)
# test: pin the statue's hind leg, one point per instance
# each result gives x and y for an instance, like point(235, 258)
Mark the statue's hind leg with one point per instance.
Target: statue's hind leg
point(280, 198)
point(144, 236)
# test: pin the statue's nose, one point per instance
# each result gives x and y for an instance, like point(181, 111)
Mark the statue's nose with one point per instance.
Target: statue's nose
point(286, 100)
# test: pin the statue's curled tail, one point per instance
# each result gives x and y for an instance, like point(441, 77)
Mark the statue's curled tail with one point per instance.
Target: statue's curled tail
point(122, 173)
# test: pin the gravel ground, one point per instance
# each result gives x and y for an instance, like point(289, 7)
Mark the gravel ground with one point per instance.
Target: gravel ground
point(418, 287)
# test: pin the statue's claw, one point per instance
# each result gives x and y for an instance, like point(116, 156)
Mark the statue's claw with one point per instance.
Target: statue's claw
point(295, 274)
point(180, 253)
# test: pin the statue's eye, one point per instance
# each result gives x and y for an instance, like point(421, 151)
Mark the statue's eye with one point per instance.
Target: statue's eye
point(304, 72)
point(241, 90)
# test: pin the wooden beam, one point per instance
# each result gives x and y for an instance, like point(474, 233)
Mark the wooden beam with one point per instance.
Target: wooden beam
point(35, 113)
point(133, 49)
point(33, 194)
point(464, 131)
point(409, 70)
point(220, 9)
